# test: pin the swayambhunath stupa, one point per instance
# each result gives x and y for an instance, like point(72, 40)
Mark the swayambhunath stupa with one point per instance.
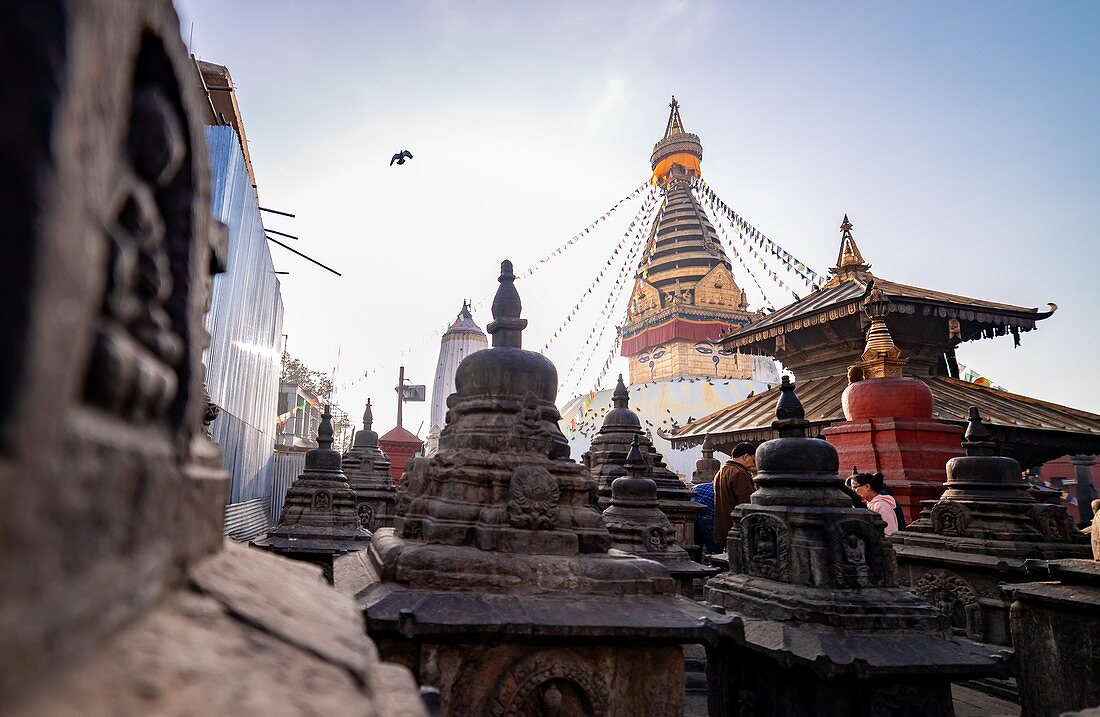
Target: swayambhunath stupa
point(685, 470)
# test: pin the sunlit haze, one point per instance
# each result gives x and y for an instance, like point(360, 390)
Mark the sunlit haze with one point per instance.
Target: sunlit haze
point(960, 138)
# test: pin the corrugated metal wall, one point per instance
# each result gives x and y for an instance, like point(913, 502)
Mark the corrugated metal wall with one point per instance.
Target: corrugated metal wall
point(287, 467)
point(246, 327)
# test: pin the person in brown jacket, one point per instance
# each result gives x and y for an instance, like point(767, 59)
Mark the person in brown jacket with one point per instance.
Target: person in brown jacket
point(732, 487)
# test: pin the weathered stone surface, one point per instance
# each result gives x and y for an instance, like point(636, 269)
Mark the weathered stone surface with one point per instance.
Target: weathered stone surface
point(639, 528)
point(977, 537)
point(496, 584)
point(1056, 633)
point(368, 472)
point(814, 580)
point(607, 454)
point(105, 531)
point(229, 648)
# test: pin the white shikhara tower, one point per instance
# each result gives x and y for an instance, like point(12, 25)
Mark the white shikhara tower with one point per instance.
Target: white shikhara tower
point(463, 338)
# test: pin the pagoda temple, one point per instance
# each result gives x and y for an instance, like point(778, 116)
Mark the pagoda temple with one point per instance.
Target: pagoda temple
point(461, 339)
point(685, 295)
point(823, 334)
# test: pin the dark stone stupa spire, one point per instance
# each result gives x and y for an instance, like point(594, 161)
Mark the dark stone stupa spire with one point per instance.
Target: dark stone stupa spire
point(818, 579)
point(319, 519)
point(498, 571)
point(638, 526)
point(979, 535)
point(368, 470)
point(606, 458)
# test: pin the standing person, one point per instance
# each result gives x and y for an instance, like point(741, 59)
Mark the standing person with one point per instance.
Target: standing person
point(704, 521)
point(732, 487)
point(869, 487)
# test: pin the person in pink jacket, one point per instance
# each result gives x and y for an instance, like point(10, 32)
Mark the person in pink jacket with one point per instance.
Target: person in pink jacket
point(868, 486)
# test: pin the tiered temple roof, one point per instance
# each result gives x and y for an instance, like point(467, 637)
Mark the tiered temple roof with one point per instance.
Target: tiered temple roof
point(684, 290)
point(821, 335)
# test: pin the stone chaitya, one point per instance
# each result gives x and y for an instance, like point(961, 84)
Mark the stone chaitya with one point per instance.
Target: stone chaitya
point(118, 594)
point(1056, 632)
point(978, 535)
point(707, 466)
point(319, 519)
point(607, 455)
point(499, 589)
point(368, 472)
point(826, 632)
point(639, 527)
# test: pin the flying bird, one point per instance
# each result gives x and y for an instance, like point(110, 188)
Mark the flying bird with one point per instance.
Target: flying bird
point(401, 156)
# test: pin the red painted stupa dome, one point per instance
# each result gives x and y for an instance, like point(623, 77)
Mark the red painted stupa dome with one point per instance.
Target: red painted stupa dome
point(887, 398)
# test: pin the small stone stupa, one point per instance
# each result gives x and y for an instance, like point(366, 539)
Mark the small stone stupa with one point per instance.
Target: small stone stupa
point(826, 630)
point(707, 466)
point(607, 455)
point(319, 519)
point(368, 472)
point(638, 526)
point(500, 590)
point(978, 535)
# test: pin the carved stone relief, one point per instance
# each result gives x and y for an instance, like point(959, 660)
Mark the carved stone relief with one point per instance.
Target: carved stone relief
point(547, 684)
point(950, 518)
point(532, 498)
point(137, 363)
point(956, 599)
point(856, 549)
point(766, 547)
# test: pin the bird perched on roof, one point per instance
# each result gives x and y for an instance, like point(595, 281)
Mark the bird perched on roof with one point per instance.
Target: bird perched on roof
point(401, 156)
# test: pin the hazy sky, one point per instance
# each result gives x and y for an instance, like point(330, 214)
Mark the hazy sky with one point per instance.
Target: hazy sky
point(961, 139)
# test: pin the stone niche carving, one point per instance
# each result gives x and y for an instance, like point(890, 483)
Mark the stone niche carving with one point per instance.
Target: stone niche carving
point(766, 547)
point(857, 554)
point(545, 683)
point(956, 599)
point(136, 367)
point(950, 518)
point(118, 595)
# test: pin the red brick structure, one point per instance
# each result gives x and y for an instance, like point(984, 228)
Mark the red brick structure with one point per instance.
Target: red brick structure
point(890, 429)
point(888, 426)
point(400, 446)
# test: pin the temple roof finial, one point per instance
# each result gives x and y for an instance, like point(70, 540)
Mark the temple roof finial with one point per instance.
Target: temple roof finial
point(675, 124)
point(507, 327)
point(368, 417)
point(849, 260)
